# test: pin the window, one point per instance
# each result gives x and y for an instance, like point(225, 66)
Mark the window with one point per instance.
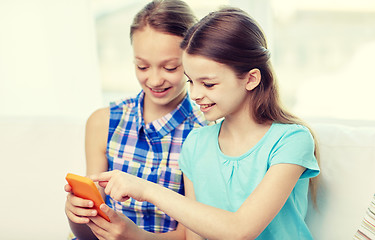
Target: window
point(321, 50)
point(323, 55)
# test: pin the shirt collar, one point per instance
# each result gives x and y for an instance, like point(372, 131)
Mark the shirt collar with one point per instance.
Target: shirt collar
point(168, 122)
point(139, 111)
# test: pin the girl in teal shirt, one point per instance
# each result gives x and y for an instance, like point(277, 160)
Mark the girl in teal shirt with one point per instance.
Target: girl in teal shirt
point(248, 176)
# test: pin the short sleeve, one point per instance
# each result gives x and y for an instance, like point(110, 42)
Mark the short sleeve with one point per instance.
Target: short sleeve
point(186, 158)
point(297, 146)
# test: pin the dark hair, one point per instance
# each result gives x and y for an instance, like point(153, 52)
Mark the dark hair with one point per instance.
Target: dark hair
point(231, 37)
point(168, 16)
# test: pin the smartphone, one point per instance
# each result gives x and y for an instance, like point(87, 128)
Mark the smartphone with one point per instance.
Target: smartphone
point(84, 187)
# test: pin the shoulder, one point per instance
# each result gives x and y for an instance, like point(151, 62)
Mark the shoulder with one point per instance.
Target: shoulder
point(123, 109)
point(123, 105)
point(205, 133)
point(99, 119)
point(287, 131)
point(290, 140)
point(294, 143)
point(290, 127)
point(97, 131)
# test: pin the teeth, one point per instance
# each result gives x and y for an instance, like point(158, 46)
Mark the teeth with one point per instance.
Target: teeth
point(159, 90)
point(206, 105)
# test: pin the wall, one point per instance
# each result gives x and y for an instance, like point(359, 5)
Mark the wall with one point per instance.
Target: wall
point(49, 84)
point(48, 60)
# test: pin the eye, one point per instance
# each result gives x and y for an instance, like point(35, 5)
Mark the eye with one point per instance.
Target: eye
point(142, 68)
point(171, 69)
point(189, 81)
point(208, 85)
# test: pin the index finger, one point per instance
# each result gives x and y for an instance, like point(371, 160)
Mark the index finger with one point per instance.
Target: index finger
point(101, 177)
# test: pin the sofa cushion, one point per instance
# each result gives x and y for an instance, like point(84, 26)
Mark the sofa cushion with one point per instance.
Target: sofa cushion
point(347, 180)
point(37, 153)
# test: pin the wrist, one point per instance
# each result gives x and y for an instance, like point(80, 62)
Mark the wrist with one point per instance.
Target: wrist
point(150, 191)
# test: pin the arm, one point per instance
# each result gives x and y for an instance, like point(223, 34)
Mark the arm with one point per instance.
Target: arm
point(77, 209)
point(83, 222)
point(122, 227)
point(247, 222)
point(189, 193)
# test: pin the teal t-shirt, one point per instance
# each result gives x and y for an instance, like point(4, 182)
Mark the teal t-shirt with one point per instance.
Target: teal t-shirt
point(225, 182)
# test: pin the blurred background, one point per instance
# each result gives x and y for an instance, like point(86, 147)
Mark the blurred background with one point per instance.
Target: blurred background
point(62, 59)
point(67, 58)
point(322, 51)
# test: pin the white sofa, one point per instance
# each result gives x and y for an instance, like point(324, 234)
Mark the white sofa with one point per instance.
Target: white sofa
point(37, 152)
point(347, 178)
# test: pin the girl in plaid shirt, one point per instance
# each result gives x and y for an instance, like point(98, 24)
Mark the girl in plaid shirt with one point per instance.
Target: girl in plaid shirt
point(143, 135)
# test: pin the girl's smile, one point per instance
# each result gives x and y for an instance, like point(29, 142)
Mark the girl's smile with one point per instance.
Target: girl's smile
point(206, 107)
point(159, 92)
point(215, 88)
point(158, 67)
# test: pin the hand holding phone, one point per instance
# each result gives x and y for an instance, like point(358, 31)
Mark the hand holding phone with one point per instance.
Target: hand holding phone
point(84, 187)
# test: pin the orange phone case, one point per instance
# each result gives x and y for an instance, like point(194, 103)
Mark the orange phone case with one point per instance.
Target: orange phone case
point(84, 187)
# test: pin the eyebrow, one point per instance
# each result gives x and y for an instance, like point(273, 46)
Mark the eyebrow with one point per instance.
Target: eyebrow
point(163, 62)
point(201, 78)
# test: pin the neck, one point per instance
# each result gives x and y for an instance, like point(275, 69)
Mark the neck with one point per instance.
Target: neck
point(239, 126)
point(153, 111)
point(239, 134)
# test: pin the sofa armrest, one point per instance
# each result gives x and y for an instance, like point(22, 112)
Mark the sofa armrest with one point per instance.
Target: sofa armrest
point(347, 180)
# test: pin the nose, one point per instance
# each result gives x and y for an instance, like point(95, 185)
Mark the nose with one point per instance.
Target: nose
point(195, 93)
point(155, 79)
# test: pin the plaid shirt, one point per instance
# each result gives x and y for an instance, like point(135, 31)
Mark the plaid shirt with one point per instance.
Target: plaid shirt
point(149, 151)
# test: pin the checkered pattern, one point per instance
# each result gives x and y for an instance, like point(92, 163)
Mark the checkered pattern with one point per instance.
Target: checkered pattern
point(366, 230)
point(149, 151)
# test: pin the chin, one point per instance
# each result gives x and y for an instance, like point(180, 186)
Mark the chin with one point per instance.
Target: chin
point(212, 117)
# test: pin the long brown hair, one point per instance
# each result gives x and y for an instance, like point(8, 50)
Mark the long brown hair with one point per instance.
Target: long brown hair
point(231, 37)
point(173, 17)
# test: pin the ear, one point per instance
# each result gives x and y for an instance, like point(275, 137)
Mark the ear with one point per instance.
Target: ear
point(253, 78)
